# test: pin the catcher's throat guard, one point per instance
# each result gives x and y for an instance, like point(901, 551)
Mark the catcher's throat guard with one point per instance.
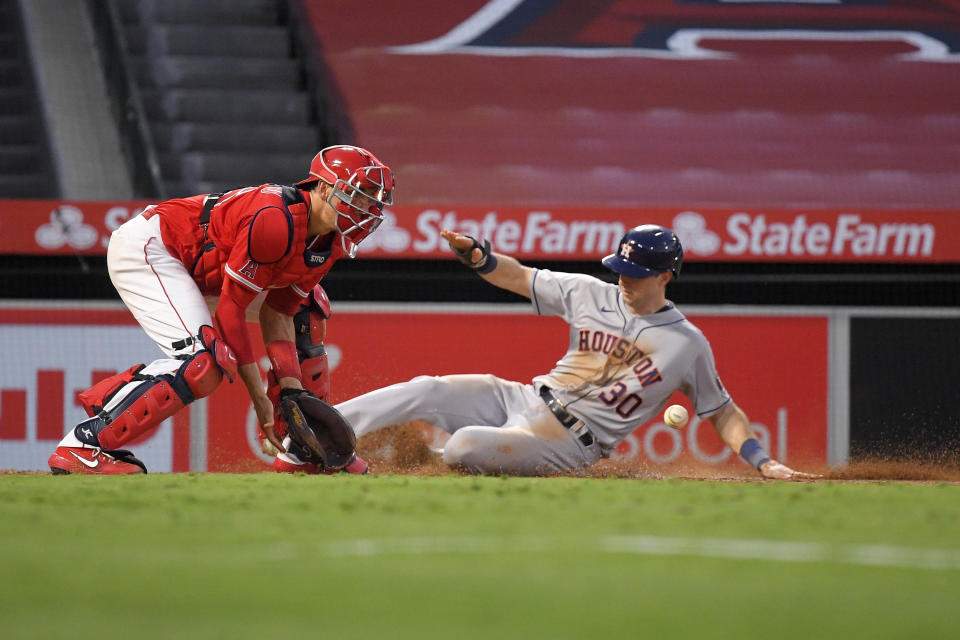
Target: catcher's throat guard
point(324, 435)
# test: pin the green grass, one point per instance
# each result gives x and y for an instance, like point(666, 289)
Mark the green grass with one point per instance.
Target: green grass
point(263, 556)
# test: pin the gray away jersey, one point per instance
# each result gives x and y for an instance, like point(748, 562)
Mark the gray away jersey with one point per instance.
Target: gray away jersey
point(620, 368)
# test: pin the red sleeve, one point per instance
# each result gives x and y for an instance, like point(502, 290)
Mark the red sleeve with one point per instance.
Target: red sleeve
point(286, 300)
point(231, 319)
point(243, 270)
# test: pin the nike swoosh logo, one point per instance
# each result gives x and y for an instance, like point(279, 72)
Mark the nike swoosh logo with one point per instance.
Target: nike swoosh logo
point(93, 464)
point(605, 310)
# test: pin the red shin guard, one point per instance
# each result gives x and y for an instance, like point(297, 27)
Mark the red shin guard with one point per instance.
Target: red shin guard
point(154, 403)
point(158, 398)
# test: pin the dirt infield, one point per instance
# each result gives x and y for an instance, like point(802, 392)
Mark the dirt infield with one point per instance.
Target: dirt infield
point(403, 450)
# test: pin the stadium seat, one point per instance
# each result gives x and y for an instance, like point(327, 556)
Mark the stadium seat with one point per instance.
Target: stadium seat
point(226, 102)
point(25, 169)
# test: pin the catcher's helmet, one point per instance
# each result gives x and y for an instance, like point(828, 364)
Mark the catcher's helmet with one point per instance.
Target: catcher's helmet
point(362, 186)
point(646, 250)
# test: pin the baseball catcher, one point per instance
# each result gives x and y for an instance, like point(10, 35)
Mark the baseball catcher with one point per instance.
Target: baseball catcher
point(270, 239)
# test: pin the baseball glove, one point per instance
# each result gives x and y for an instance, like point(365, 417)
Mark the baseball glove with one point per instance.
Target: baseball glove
point(322, 435)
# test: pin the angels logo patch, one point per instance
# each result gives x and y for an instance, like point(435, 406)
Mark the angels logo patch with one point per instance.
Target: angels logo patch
point(902, 29)
point(250, 269)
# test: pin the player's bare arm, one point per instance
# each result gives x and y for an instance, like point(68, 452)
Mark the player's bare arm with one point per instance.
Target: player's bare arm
point(508, 273)
point(734, 428)
point(250, 374)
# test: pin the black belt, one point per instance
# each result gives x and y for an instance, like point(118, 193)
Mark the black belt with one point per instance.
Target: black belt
point(570, 422)
point(183, 344)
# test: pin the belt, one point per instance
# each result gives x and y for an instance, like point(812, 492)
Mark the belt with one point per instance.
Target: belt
point(183, 344)
point(573, 424)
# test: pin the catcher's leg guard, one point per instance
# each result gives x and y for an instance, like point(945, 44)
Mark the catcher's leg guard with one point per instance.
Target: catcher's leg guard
point(310, 327)
point(220, 351)
point(149, 403)
point(316, 375)
point(99, 395)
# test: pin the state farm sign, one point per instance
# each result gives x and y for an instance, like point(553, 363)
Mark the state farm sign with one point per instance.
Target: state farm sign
point(39, 227)
point(715, 235)
point(848, 234)
point(559, 233)
point(536, 232)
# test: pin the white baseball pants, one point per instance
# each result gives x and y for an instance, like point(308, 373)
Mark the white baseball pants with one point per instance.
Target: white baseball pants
point(160, 293)
point(156, 287)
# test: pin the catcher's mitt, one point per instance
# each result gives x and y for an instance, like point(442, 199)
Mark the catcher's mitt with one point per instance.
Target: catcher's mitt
point(323, 434)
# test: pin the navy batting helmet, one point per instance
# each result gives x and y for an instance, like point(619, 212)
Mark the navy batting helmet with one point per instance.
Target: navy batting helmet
point(646, 250)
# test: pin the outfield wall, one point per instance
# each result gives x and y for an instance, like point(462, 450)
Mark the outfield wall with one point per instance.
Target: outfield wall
point(789, 368)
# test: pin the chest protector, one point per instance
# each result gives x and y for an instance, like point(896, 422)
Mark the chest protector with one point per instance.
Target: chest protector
point(302, 260)
point(292, 265)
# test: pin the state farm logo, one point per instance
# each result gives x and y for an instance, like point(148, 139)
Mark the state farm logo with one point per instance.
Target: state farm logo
point(66, 226)
point(389, 236)
point(691, 228)
point(536, 232)
point(848, 234)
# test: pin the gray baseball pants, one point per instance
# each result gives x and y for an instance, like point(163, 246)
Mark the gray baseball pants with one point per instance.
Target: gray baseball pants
point(497, 426)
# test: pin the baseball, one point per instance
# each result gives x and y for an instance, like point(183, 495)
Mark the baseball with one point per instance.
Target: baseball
point(676, 416)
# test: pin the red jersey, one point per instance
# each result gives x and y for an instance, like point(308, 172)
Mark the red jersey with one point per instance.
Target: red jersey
point(255, 240)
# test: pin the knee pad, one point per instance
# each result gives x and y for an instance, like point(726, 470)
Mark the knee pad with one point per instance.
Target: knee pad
point(315, 374)
point(219, 350)
point(156, 399)
point(310, 328)
point(197, 377)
